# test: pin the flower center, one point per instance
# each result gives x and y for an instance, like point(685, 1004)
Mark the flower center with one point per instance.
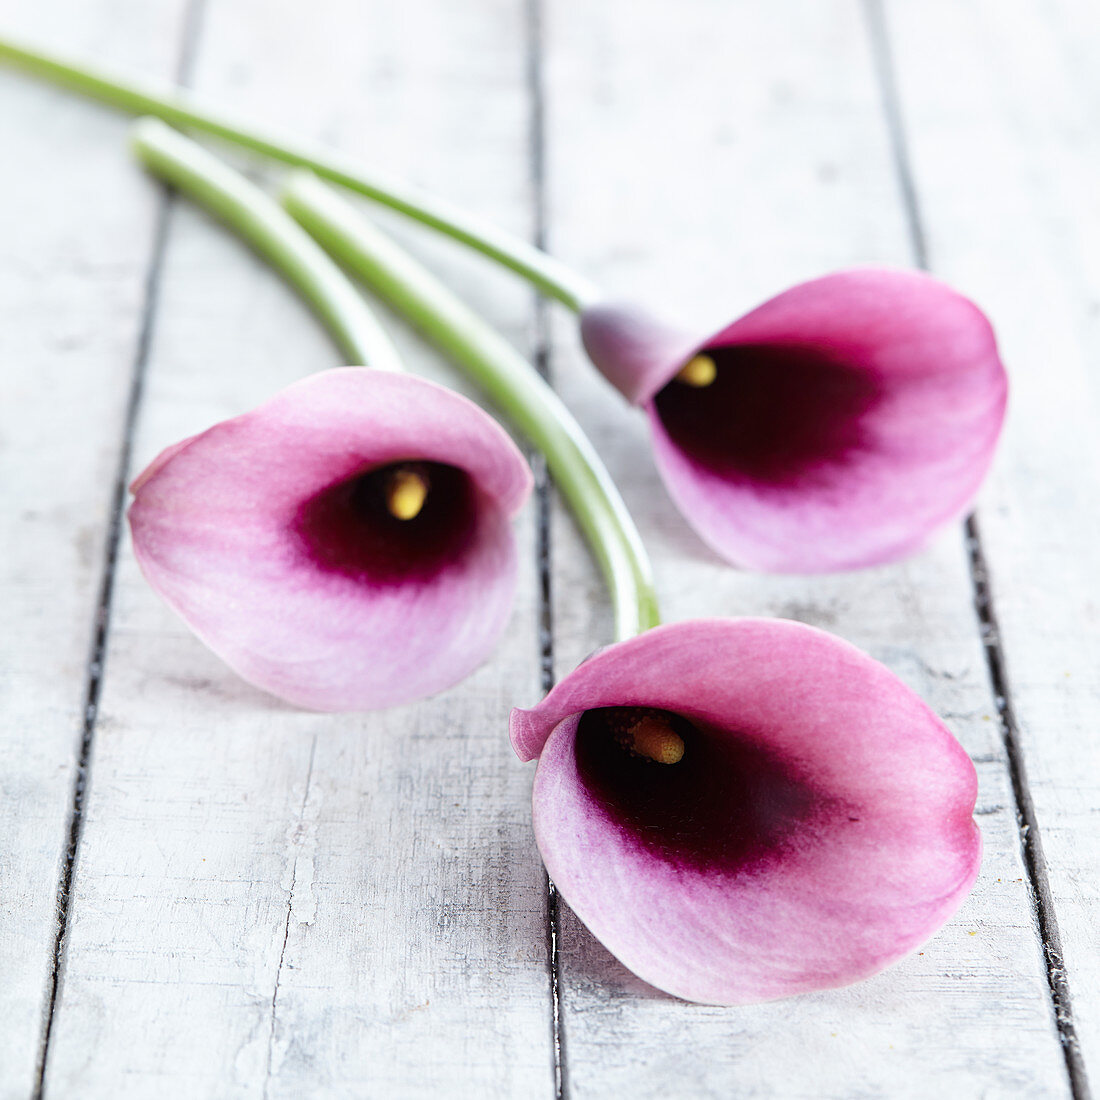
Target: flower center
point(406, 489)
point(403, 521)
point(768, 414)
point(646, 733)
point(699, 371)
point(696, 795)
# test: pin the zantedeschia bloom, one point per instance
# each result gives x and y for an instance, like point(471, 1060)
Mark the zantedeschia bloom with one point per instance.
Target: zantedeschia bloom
point(347, 545)
point(744, 809)
point(835, 426)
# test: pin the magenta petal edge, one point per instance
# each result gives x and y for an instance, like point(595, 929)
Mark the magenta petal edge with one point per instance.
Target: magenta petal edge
point(818, 827)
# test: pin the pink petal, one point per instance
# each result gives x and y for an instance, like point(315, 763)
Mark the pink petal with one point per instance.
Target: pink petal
point(249, 531)
point(818, 827)
point(852, 416)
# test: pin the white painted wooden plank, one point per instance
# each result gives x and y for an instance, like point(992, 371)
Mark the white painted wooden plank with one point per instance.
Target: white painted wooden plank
point(75, 240)
point(281, 903)
point(1001, 102)
point(708, 160)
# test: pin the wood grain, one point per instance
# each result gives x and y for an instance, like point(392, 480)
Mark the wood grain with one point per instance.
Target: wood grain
point(273, 903)
point(1000, 105)
point(280, 903)
point(73, 265)
point(765, 160)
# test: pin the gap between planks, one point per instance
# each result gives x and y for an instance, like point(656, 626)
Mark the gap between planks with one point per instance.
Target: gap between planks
point(189, 38)
point(1031, 844)
point(543, 550)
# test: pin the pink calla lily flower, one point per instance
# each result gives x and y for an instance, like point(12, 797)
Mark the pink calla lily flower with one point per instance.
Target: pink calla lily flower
point(741, 810)
point(347, 545)
point(836, 426)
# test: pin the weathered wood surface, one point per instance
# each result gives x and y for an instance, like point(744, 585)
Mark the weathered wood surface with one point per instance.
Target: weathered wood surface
point(1002, 103)
point(270, 903)
point(342, 904)
point(74, 255)
point(776, 136)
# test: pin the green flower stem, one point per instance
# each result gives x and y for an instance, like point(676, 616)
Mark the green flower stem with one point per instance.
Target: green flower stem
point(276, 236)
point(509, 381)
point(506, 377)
point(182, 109)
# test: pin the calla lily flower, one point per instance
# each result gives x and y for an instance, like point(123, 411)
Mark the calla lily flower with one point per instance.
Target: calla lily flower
point(740, 810)
point(836, 426)
point(347, 545)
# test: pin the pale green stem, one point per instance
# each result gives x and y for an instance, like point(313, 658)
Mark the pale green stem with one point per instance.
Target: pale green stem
point(506, 377)
point(271, 232)
point(181, 108)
